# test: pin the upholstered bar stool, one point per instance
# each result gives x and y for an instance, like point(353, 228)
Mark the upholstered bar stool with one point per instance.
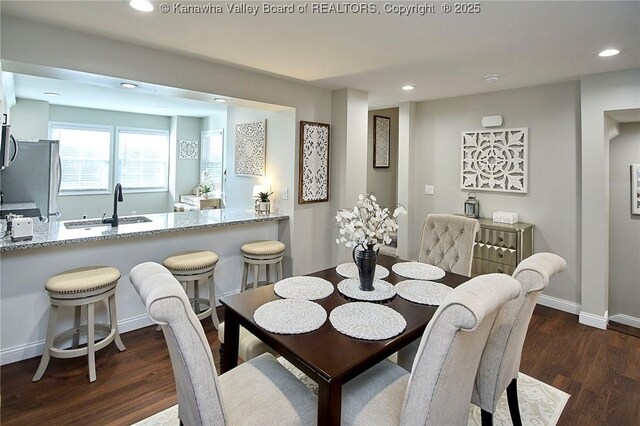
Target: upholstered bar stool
point(77, 288)
point(258, 253)
point(192, 268)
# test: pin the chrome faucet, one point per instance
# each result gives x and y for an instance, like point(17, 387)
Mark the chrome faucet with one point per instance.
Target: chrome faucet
point(117, 197)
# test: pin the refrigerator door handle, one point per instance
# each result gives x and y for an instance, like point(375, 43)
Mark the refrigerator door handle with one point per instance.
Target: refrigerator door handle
point(15, 148)
point(59, 172)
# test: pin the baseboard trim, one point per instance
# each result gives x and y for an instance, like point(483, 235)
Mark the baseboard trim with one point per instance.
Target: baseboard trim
point(559, 304)
point(593, 320)
point(626, 320)
point(228, 293)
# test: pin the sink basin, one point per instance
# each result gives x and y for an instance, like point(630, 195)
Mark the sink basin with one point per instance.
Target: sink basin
point(92, 223)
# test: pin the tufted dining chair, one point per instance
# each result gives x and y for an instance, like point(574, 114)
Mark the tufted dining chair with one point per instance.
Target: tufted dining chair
point(447, 242)
point(500, 361)
point(259, 391)
point(438, 389)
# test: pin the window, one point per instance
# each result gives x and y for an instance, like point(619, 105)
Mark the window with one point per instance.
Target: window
point(85, 153)
point(143, 159)
point(211, 157)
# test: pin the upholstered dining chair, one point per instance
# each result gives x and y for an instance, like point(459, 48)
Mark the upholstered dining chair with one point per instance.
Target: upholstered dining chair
point(500, 362)
point(259, 391)
point(438, 389)
point(447, 242)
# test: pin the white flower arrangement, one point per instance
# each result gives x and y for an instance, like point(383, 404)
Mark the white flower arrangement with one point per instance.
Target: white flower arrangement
point(367, 224)
point(206, 182)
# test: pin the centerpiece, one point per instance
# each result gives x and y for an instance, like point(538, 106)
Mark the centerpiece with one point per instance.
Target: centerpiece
point(206, 184)
point(365, 227)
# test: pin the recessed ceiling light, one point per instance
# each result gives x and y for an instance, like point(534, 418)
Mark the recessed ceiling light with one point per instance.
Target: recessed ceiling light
point(220, 100)
point(493, 77)
point(52, 94)
point(141, 5)
point(128, 85)
point(608, 52)
point(408, 87)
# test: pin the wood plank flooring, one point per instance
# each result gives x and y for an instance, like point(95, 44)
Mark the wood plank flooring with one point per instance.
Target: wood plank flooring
point(600, 369)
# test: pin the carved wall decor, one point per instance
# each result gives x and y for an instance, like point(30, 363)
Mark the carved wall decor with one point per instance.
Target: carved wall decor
point(251, 148)
point(495, 160)
point(381, 141)
point(188, 150)
point(635, 189)
point(314, 162)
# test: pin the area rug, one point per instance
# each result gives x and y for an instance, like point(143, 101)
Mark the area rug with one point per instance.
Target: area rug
point(540, 404)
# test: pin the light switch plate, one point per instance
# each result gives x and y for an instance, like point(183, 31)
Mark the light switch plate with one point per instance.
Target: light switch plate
point(285, 193)
point(429, 189)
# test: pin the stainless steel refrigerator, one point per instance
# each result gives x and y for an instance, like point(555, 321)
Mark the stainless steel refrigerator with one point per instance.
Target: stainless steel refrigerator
point(34, 176)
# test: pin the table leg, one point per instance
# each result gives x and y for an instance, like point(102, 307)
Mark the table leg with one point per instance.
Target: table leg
point(329, 402)
point(231, 338)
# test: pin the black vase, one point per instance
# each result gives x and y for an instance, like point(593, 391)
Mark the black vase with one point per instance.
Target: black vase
point(365, 260)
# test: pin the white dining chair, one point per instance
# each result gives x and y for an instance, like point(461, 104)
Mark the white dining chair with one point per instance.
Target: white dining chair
point(500, 362)
point(438, 389)
point(447, 242)
point(259, 391)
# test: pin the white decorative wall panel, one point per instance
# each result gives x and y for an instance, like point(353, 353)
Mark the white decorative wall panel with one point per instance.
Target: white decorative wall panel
point(314, 162)
point(495, 160)
point(188, 150)
point(251, 144)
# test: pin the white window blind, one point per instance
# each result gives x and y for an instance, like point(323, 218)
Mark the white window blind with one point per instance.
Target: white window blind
point(211, 157)
point(143, 159)
point(85, 153)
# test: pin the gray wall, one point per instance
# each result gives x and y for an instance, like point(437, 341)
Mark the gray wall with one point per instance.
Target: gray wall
point(384, 181)
point(552, 114)
point(30, 119)
point(624, 228)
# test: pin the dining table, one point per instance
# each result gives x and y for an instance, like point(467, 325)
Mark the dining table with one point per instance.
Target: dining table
point(325, 355)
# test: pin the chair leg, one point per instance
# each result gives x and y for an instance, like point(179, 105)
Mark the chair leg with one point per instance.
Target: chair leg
point(196, 296)
point(212, 301)
point(245, 272)
point(267, 273)
point(280, 270)
point(76, 324)
point(256, 276)
point(91, 353)
point(512, 398)
point(51, 334)
point(487, 418)
point(113, 318)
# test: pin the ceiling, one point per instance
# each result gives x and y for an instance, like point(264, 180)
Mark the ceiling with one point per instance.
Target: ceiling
point(443, 55)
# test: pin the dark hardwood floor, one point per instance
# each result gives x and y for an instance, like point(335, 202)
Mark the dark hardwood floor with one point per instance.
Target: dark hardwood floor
point(600, 369)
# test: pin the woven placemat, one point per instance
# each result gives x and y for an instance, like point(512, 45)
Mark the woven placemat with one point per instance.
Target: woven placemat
point(290, 316)
point(382, 290)
point(307, 288)
point(350, 270)
point(367, 321)
point(423, 292)
point(418, 271)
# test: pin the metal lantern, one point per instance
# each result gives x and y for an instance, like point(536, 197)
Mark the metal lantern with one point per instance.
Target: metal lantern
point(472, 206)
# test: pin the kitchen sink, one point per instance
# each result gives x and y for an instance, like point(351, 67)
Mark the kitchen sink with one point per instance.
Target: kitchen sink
point(92, 223)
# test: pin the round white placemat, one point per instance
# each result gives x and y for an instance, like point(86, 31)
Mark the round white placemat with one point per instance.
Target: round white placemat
point(307, 288)
point(350, 270)
point(418, 271)
point(423, 292)
point(382, 290)
point(367, 321)
point(290, 316)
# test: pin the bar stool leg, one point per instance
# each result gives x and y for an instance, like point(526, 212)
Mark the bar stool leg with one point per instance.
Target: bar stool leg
point(113, 318)
point(267, 273)
point(280, 270)
point(76, 324)
point(256, 276)
point(91, 341)
point(51, 334)
point(245, 272)
point(196, 296)
point(212, 301)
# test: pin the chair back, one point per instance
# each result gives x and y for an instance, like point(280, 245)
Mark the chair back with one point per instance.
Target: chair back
point(199, 398)
point(441, 380)
point(447, 242)
point(500, 361)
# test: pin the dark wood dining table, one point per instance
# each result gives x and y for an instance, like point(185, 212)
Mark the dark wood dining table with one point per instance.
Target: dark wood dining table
point(327, 356)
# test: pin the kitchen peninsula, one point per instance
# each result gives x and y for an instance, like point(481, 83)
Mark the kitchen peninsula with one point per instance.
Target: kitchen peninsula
point(25, 266)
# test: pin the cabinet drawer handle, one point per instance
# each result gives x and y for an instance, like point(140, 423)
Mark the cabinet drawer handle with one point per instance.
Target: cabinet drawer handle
point(500, 255)
point(500, 239)
point(500, 270)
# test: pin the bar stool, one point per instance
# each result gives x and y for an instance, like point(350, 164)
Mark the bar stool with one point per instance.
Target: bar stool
point(77, 288)
point(194, 267)
point(249, 346)
point(259, 253)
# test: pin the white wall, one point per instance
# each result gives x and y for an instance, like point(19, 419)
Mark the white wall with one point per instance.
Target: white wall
point(30, 119)
point(599, 93)
point(624, 228)
point(552, 114)
point(384, 182)
point(187, 171)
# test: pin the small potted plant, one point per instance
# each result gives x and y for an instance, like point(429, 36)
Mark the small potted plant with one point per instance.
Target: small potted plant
point(264, 206)
point(206, 184)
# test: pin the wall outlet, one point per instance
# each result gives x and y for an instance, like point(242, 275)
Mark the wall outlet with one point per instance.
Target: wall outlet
point(84, 215)
point(285, 193)
point(429, 189)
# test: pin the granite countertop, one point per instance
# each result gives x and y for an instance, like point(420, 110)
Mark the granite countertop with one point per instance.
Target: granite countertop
point(55, 233)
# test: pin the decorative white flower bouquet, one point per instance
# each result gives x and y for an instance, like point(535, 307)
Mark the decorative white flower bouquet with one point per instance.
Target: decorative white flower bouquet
point(367, 224)
point(206, 182)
